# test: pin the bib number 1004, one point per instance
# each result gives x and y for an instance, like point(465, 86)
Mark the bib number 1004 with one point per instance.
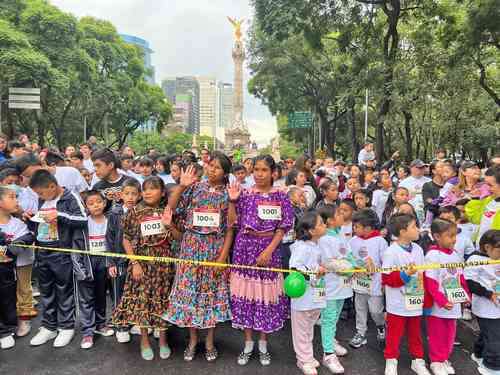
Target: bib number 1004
point(204, 218)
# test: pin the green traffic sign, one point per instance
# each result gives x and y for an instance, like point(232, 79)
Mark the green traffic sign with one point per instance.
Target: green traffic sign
point(299, 120)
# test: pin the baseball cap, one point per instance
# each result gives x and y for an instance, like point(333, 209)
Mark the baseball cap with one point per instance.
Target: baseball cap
point(417, 163)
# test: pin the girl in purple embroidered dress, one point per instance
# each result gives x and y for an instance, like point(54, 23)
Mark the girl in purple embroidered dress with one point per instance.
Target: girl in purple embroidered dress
point(264, 214)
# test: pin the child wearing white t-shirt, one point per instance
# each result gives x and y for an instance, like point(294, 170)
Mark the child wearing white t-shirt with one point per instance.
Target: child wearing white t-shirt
point(446, 290)
point(484, 283)
point(306, 310)
point(335, 256)
point(367, 247)
point(404, 294)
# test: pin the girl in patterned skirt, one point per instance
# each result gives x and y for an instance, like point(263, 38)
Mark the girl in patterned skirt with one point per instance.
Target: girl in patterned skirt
point(200, 295)
point(147, 230)
point(264, 214)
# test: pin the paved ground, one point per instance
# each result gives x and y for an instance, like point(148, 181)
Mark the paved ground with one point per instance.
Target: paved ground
point(110, 358)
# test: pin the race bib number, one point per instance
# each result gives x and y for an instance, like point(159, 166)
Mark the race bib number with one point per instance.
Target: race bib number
point(414, 293)
point(362, 285)
point(319, 295)
point(414, 301)
point(97, 244)
point(151, 226)
point(206, 218)
point(346, 282)
point(457, 295)
point(269, 211)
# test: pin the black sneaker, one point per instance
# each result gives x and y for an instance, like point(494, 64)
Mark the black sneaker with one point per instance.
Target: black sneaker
point(381, 333)
point(358, 341)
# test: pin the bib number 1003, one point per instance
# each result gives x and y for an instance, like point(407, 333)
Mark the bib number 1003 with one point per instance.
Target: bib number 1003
point(151, 227)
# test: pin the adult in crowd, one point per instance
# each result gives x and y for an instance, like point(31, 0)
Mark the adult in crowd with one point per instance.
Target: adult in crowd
point(431, 189)
point(86, 150)
point(469, 185)
point(415, 183)
point(66, 177)
point(366, 154)
point(92, 142)
point(69, 151)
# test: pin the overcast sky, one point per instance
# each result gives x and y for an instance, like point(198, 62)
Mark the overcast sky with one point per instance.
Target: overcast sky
point(189, 37)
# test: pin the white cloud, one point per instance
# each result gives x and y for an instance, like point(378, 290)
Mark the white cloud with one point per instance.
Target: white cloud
point(189, 37)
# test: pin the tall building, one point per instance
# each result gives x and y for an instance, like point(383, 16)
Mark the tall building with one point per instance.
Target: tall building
point(150, 125)
point(175, 86)
point(144, 46)
point(208, 106)
point(225, 102)
point(168, 85)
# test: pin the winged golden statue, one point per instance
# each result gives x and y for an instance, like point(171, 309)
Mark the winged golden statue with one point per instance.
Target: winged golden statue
point(237, 27)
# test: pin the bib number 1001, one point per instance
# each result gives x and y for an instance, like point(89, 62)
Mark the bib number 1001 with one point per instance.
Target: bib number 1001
point(269, 212)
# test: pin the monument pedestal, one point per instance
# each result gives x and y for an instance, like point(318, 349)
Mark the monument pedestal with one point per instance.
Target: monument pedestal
point(237, 138)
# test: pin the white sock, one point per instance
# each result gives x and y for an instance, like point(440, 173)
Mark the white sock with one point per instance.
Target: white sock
point(262, 346)
point(248, 346)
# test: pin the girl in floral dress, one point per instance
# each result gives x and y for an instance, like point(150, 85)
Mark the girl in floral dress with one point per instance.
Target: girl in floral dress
point(147, 230)
point(200, 295)
point(264, 214)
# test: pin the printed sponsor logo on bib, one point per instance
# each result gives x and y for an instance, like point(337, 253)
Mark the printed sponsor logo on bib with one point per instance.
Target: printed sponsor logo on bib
point(97, 244)
point(151, 226)
point(269, 211)
point(318, 289)
point(206, 218)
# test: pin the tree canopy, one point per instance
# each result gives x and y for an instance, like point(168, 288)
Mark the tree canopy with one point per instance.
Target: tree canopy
point(430, 68)
point(83, 69)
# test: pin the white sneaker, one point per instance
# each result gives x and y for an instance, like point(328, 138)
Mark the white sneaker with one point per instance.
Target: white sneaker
point(307, 368)
point(23, 328)
point(418, 366)
point(449, 368)
point(122, 337)
point(476, 359)
point(438, 368)
point(340, 351)
point(332, 363)
point(7, 342)
point(135, 330)
point(43, 336)
point(64, 338)
point(391, 367)
point(486, 371)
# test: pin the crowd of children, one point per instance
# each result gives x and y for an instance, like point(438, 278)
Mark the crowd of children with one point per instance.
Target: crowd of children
point(357, 234)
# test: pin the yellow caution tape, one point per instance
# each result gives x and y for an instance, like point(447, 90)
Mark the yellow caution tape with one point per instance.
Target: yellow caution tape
point(147, 258)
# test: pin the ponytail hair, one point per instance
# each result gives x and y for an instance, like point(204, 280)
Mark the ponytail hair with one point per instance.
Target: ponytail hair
point(305, 224)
